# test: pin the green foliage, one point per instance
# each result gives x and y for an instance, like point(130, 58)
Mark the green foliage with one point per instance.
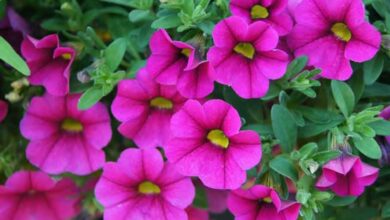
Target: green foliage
point(9, 56)
point(284, 127)
point(311, 119)
point(344, 97)
point(285, 167)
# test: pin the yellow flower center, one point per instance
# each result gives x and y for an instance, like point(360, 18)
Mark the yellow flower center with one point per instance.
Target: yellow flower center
point(186, 52)
point(245, 49)
point(267, 200)
point(161, 103)
point(71, 125)
point(341, 31)
point(218, 138)
point(148, 188)
point(259, 12)
point(66, 56)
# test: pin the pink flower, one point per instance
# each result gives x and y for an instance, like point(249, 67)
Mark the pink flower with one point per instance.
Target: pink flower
point(63, 138)
point(175, 62)
point(216, 200)
point(169, 58)
point(141, 186)
point(197, 213)
point(3, 110)
point(244, 56)
point(207, 142)
point(261, 202)
point(49, 63)
point(31, 195)
point(346, 175)
point(331, 33)
point(145, 109)
point(273, 12)
point(197, 83)
point(13, 28)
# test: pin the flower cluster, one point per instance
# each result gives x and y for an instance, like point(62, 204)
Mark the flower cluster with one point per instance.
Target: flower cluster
point(185, 136)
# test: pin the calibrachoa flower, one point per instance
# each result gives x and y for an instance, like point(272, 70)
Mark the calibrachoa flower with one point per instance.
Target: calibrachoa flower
point(207, 142)
point(169, 58)
point(198, 82)
point(63, 138)
point(13, 28)
point(145, 109)
point(29, 195)
point(3, 110)
point(216, 200)
point(49, 63)
point(261, 202)
point(244, 56)
point(333, 33)
point(347, 175)
point(197, 213)
point(141, 186)
point(273, 12)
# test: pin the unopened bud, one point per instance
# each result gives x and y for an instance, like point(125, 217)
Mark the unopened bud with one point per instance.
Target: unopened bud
point(13, 97)
point(83, 76)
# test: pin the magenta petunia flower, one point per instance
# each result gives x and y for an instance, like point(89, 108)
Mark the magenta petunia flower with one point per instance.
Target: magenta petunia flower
point(244, 56)
point(169, 59)
point(197, 213)
point(3, 110)
point(49, 63)
point(29, 195)
point(385, 114)
point(13, 28)
point(333, 33)
point(141, 186)
point(207, 142)
point(216, 200)
point(273, 12)
point(261, 202)
point(145, 109)
point(347, 175)
point(63, 138)
point(197, 83)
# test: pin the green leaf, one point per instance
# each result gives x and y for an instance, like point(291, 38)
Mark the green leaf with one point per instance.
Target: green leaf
point(318, 115)
point(313, 129)
point(357, 84)
point(54, 24)
point(303, 196)
point(307, 149)
point(90, 97)
point(386, 210)
point(284, 127)
point(285, 167)
point(373, 69)
point(325, 156)
point(166, 22)
point(200, 200)
point(377, 90)
point(9, 56)
point(296, 66)
point(114, 53)
point(344, 97)
point(341, 201)
point(381, 127)
point(261, 129)
point(3, 5)
point(129, 3)
point(369, 147)
point(140, 15)
point(206, 26)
